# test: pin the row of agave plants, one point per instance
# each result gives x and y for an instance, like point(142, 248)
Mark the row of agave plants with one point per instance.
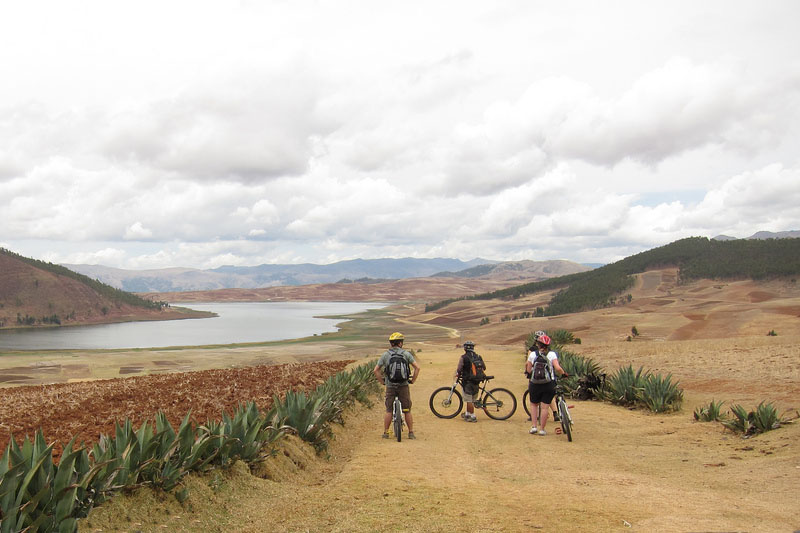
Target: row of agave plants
point(626, 387)
point(640, 388)
point(37, 494)
point(763, 418)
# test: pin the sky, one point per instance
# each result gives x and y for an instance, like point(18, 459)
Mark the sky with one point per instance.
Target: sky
point(154, 134)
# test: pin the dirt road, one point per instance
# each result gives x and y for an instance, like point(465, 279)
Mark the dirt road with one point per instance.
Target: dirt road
point(625, 471)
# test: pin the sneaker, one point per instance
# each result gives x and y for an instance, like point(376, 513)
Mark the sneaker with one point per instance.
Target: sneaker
point(464, 415)
point(533, 430)
point(472, 419)
point(542, 432)
point(411, 435)
point(387, 436)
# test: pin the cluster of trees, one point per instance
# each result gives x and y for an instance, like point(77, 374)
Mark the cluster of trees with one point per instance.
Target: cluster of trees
point(696, 258)
point(28, 320)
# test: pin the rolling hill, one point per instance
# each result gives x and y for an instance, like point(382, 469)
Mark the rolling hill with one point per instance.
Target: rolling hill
point(35, 293)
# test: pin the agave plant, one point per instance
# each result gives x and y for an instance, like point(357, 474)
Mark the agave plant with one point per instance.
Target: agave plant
point(35, 493)
point(304, 414)
point(660, 394)
point(623, 386)
point(709, 413)
point(764, 418)
point(740, 422)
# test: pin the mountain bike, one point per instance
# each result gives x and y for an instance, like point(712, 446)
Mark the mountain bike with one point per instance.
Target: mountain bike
point(498, 403)
point(397, 418)
point(563, 413)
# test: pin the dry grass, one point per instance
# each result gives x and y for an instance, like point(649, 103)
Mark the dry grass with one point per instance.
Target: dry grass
point(623, 467)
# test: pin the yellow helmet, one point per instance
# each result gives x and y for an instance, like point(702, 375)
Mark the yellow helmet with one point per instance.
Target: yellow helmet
point(396, 336)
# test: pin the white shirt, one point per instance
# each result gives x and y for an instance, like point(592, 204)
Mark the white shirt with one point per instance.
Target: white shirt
point(551, 356)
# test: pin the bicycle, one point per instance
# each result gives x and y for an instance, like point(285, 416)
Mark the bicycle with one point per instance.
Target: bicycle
point(397, 418)
point(498, 403)
point(563, 413)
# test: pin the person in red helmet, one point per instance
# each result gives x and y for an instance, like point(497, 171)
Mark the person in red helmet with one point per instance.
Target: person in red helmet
point(542, 366)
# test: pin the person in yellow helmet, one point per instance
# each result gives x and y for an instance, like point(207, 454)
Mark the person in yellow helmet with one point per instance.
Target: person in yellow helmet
point(393, 368)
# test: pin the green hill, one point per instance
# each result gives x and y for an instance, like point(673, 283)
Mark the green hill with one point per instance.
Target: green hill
point(34, 292)
point(695, 257)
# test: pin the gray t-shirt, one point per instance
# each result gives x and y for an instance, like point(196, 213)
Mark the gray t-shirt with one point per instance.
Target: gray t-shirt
point(383, 362)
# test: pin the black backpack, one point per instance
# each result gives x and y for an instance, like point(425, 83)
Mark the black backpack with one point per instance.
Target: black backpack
point(540, 373)
point(397, 371)
point(474, 368)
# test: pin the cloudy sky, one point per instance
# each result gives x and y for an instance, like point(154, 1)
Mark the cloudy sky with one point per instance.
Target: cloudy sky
point(194, 133)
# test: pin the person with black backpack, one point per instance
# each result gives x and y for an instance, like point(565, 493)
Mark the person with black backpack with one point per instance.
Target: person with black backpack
point(470, 372)
point(542, 366)
point(394, 368)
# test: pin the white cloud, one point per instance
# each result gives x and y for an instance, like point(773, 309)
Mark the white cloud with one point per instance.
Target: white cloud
point(137, 231)
point(314, 131)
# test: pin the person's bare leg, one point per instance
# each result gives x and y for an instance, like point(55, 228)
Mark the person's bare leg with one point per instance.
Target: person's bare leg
point(410, 422)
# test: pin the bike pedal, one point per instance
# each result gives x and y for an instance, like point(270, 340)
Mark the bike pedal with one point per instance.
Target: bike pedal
point(558, 431)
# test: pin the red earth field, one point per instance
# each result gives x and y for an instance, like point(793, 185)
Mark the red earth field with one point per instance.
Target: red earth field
point(89, 409)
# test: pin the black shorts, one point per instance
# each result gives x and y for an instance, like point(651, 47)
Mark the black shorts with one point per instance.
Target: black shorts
point(542, 392)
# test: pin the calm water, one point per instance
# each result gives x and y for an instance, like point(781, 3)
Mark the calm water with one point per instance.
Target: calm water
point(237, 322)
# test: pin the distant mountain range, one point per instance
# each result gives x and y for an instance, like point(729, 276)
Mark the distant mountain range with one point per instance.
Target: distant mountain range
point(356, 270)
point(763, 235)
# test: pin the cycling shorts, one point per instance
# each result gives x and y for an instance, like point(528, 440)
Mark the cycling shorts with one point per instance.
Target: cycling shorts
point(542, 392)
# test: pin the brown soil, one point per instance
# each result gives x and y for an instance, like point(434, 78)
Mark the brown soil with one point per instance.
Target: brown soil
point(89, 409)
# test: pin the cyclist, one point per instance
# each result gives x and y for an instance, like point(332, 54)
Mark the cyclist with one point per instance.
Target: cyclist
point(534, 349)
point(542, 393)
point(396, 389)
point(470, 382)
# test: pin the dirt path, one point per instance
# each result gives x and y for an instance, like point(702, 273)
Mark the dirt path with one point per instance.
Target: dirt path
point(625, 471)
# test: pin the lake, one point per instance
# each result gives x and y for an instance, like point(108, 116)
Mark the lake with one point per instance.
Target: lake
point(237, 322)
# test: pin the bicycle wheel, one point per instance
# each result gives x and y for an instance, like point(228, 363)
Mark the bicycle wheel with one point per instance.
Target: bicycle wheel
point(566, 420)
point(499, 404)
point(444, 404)
point(398, 419)
point(525, 403)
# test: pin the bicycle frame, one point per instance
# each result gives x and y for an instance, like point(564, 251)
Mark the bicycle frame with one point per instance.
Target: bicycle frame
point(497, 403)
point(397, 418)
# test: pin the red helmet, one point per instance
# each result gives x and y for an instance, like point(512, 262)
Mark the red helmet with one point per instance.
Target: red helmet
point(544, 339)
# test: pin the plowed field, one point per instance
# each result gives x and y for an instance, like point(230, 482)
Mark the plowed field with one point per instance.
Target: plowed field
point(89, 409)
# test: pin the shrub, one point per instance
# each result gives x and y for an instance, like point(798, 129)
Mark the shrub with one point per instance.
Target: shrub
point(660, 394)
point(764, 418)
point(561, 337)
point(772, 333)
point(709, 413)
point(623, 386)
